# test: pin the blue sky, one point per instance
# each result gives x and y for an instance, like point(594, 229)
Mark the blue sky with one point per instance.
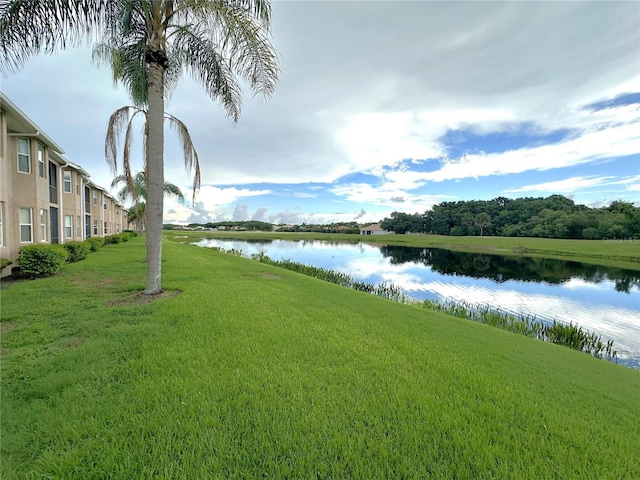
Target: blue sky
point(389, 106)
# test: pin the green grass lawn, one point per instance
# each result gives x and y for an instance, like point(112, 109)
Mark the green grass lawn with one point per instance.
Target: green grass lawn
point(617, 253)
point(256, 372)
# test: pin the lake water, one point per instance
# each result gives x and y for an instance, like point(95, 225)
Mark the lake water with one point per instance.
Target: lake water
point(604, 300)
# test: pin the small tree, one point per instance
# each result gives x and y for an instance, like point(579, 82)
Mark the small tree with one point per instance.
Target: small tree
point(481, 221)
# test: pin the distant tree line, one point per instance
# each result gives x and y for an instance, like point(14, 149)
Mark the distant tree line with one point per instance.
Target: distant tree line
point(342, 227)
point(551, 217)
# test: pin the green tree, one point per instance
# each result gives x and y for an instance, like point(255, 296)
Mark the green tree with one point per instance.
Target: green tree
point(400, 223)
point(135, 190)
point(135, 187)
point(482, 220)
point(149, 44)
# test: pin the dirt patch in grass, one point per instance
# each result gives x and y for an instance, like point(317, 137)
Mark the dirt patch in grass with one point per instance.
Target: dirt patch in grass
point(7, 327)
point(6, 282)
point(74, 342)
point(140, 298)
point(269, 275)
point(106, 282)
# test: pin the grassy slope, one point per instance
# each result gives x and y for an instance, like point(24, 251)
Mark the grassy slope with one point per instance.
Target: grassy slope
point(622, 253)
point(256, 372)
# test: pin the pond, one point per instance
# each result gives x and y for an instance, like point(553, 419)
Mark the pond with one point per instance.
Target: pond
point(605, 300)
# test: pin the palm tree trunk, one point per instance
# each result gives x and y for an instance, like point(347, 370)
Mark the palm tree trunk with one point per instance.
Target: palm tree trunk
point(155, 172)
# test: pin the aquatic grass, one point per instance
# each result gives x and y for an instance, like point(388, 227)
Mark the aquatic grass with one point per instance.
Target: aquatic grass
point(567, 335)
point(572, 336)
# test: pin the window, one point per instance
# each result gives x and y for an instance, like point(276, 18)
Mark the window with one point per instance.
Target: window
point(105, 228)
point(95, 197)
point(68, 226)
point(78, 227)
point(118, 212)
point(26, 234)
point(43, 225)
point(67, 182)
point(41, 160)
point(77, 184)
point(1, 224)
point(24, 159)
point(95, 227)
point(104, 202)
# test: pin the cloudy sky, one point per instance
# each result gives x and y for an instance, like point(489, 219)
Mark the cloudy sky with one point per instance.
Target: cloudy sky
point(388, 106)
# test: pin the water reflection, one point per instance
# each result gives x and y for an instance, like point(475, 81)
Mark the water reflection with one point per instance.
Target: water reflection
point(601, 299)
point(503, 268)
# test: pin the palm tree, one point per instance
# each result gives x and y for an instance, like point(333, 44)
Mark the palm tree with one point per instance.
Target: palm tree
point(135, 186)
point(482, 220)
point(135, 189)
point(149, 43)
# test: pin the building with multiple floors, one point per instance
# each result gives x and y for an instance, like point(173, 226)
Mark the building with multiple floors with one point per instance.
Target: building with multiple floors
point(45, 198)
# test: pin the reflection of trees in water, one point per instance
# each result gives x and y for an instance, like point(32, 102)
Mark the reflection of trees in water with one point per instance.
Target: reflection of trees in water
point(502, 268)
point(258, 241)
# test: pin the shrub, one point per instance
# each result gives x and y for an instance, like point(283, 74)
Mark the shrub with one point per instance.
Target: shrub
point(95, 243)
point(41, 260)
point(133, 233)
point(4, 262)
point(77, 251)
point(112, 239)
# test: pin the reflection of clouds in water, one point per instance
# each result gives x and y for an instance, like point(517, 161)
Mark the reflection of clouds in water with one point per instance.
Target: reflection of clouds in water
point(578, 283)
point(364, 268)
point(279, 246)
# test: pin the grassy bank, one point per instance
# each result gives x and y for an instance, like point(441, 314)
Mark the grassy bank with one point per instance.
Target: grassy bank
point(617, 253)
point(252, 371)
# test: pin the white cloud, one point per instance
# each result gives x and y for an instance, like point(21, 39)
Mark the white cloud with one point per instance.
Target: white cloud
point(304, 195)
point(568, 185)
point(261, 215)
point(212, 204)
point(240, 213)
point(387, 196)
point(377, 139)
point(617, 141)
point(573, 184)
point(213, 197)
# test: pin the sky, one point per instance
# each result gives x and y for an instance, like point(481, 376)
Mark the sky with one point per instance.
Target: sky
point(386, 106)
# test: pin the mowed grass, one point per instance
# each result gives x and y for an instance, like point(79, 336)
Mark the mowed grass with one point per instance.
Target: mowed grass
point(257, 372)
point(623, 253)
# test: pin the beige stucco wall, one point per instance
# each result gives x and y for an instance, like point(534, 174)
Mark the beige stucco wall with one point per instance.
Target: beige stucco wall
point(29, 190)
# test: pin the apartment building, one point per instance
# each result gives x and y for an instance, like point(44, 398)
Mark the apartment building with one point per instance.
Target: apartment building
point(45, 198)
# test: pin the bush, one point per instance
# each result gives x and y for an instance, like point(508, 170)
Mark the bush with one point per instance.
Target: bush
point(4, 262)
point(133, 233)
point(95, 243)
point(77, 251)
point(41, 260)
point(112, 239)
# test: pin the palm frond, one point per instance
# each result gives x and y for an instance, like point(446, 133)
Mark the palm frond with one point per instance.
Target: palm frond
point(249, 50)
point(171, 189)
point(208, 67)
point(117, 121)
point(126, 158)
point(191, 161)
point(29, 27)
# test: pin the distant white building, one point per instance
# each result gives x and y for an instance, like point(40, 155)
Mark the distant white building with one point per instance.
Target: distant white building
point(373, 229)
